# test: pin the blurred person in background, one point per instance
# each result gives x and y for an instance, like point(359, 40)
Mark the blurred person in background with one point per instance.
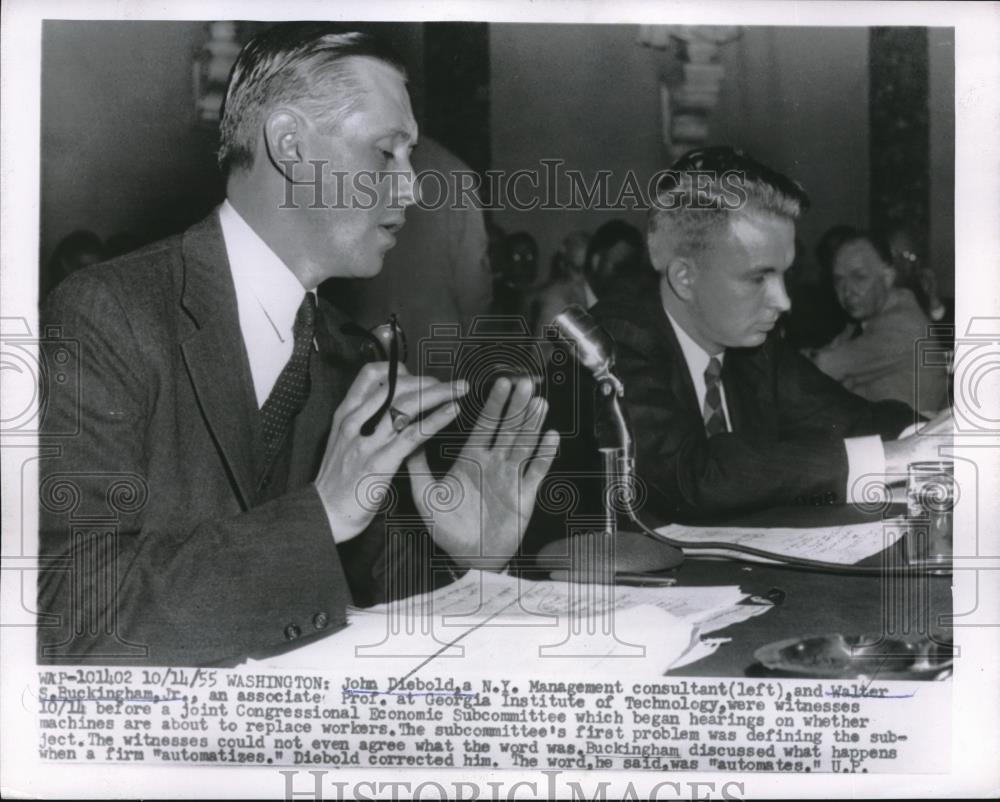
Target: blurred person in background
point(913, 273)
point(566, 284)
point(874, 355)
point(614, 257)
point(76, 250)
point(518, 272)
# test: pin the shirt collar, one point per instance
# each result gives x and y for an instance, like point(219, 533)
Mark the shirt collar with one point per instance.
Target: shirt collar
point(696, 357)
point(258, 271)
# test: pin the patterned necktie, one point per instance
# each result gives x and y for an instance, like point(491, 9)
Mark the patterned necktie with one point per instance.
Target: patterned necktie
point(715, 420)
point(290, 391)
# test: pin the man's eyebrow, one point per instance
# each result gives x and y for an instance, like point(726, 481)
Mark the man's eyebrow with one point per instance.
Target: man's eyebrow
point(400, 133)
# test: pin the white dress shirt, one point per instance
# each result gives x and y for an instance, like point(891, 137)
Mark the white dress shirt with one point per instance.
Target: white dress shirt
point(697, 359)
point(865, 455)
point(268, 296)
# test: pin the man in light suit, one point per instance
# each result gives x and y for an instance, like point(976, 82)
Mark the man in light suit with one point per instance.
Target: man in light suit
point(874, 355)
point(215, 497)
point(728, 416)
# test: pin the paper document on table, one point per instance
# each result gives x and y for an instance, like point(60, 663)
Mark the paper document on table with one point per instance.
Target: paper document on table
point(481, 595)
point(844, 545)
point(489, 620)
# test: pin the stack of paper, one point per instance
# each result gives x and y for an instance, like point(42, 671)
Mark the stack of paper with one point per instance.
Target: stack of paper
point(485, 621)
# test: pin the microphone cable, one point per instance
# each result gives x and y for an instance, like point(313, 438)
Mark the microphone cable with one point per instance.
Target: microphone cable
point(886, 567)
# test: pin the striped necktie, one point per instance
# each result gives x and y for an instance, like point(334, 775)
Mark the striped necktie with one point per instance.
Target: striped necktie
point(292, 387)
point(715, 419)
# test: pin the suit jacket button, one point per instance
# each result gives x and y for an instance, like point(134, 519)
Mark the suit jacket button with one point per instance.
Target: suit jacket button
point(321, 620)
point(292, 632)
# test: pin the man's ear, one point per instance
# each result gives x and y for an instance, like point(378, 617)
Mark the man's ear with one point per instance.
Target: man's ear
point(681, 274)
point(283, 132)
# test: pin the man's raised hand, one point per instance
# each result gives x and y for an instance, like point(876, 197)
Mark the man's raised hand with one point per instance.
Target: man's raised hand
point(479, 510)
point(353, 461)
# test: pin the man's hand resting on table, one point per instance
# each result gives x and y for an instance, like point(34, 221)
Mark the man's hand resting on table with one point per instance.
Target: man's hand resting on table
point(479, 511)
point(918, 443)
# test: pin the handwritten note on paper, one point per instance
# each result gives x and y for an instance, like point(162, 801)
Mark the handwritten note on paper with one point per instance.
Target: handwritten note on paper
point(845, 545)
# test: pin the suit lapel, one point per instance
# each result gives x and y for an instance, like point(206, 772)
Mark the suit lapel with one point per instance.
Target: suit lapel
point(681, 385)
point(338, 361)
point(215, 355)
point(733, 387)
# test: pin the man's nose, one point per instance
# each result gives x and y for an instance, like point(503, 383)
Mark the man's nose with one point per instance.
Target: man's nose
point(850, 295)
point(779, 296)
point(406, 187)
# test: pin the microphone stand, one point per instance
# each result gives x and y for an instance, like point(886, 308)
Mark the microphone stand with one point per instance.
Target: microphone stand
point(641, 551)
point(617, 447)
point(615, 444)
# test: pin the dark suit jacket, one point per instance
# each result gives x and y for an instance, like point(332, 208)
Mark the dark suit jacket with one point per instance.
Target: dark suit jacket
point(788, 420)
point(157, 546)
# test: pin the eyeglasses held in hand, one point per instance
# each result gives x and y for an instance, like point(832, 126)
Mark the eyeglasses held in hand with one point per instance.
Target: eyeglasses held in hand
point(383, 343)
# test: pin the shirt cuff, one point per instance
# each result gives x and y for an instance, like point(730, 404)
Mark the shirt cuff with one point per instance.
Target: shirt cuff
point(865, 458)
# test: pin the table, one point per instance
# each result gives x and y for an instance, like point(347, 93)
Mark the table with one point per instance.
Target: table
point(816, 602)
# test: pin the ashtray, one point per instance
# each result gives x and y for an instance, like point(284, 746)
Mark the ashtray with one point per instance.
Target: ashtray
point(858, 657)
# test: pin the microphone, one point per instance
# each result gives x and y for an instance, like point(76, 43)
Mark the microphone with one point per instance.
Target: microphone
point(641, 551)
point(594, 347)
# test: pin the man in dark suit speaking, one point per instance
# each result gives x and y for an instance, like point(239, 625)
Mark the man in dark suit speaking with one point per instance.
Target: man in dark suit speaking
point(728, 416)
point(217, 498)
